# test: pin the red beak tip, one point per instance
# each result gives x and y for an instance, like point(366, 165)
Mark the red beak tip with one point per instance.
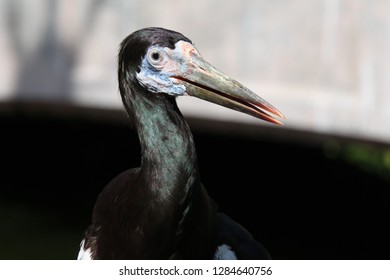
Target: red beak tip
point(278, 113)
point(278, 122)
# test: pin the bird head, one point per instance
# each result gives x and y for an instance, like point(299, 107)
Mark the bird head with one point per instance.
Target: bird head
point(162, 61)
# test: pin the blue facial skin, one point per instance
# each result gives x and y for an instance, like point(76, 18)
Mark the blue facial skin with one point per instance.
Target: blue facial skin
point(158, 81)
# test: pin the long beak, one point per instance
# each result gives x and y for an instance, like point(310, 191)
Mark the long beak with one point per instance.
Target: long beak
point(204, 81)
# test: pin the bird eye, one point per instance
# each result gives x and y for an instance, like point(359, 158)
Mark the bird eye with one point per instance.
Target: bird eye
point(155, 56)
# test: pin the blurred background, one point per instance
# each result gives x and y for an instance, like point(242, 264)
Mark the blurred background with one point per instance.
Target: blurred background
point(316, 188)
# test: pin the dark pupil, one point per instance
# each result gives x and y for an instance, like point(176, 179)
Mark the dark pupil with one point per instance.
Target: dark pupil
point(155, 56)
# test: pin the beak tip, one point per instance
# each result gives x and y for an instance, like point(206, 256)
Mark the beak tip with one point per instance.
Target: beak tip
point(277, 122)
point(278, 113)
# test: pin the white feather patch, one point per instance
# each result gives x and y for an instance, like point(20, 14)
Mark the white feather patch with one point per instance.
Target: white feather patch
point(84, 254)
point(224, 252)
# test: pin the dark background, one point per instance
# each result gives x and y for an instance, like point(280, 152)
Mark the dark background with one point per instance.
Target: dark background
point(303, 195)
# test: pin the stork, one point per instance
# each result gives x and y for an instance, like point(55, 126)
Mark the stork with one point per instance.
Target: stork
point(161, 210)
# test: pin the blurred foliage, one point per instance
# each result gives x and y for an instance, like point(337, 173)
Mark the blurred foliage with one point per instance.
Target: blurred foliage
point(33, 232)
point(371, 158)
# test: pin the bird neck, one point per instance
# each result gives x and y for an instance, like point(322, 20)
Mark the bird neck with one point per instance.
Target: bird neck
point(169, 160)
point(168, 182)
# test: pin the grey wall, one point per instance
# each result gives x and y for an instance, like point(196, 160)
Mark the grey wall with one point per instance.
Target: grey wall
point(324, 64)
